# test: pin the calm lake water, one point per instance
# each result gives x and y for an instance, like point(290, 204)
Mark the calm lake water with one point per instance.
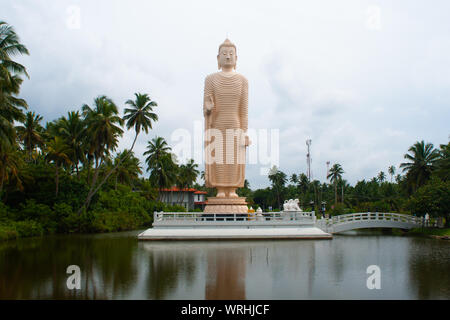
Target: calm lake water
point(117, 266)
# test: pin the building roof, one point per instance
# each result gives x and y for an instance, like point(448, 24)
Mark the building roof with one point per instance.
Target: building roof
point(179, 190)
point(200, 192)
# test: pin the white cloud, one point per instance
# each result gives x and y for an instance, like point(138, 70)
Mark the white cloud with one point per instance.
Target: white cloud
point(315, 70)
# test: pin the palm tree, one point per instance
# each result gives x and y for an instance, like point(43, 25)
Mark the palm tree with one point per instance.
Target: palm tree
point(293, 178)
point(422, 158)
point(59, 153)
point(10, 105)
point(129, 170)
point(443, 163)
point(335, 174)
point(30, 132)
point(278, 180)
point(10, 46)
point(163, 172)
point(103, 131)
point(159, 162)
point(381, 176)
point(72, 130)
point(140, 115)
point(187, 174)
point(156, 148)
point(10, 109)
point(10, 163)
point(391, 171)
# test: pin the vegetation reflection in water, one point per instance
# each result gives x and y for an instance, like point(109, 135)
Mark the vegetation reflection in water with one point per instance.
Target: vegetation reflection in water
point(117, 266)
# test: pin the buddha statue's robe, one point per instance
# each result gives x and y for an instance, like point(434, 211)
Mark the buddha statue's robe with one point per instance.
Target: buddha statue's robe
point(229, 94)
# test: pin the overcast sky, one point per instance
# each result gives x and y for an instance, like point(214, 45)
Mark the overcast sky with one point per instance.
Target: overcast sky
point(363, 79)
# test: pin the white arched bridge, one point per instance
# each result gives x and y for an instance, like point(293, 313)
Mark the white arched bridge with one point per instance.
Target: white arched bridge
point(366, 220)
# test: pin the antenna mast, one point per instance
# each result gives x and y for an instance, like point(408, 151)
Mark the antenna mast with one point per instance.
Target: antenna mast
point(308, 160)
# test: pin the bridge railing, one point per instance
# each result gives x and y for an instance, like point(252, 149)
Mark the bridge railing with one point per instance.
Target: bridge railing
point(375, 216)
point(200, 216)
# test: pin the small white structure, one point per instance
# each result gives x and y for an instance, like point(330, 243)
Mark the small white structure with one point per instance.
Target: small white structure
point(291, 205)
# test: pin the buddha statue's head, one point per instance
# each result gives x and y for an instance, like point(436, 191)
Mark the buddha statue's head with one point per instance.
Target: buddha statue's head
point(227, 57)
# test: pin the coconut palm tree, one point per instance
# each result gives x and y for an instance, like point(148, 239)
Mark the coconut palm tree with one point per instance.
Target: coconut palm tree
point(10, 106)
point(159, 163)
point(10, 163)
point(335, 174)
point(443, 163)
point(140, 115)
point(30, 132)
point(381, 177)
point(10, 109)
point(156, 148)
point(163, 172)
point(187, 174)
point(103, 129)
point(129, 169)
point(422, 158)
point(293, 178)
point(278, 180)
point(391, 171)
point(59, 153)
point(10, 46)
point(72, 129)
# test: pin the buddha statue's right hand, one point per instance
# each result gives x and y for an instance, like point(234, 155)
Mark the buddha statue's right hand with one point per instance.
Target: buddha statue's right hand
point(209, 104)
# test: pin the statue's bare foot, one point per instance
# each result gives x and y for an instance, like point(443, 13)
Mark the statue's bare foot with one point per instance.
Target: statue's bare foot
point(220, 193)
point(233, 194)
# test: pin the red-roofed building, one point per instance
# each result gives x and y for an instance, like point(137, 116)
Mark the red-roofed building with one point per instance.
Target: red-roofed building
point(189, 198)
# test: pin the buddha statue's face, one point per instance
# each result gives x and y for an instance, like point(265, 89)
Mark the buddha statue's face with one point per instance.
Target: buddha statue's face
point(227, 58)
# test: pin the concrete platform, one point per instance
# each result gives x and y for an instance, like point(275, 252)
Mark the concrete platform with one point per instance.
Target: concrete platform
point(233, 233)
point(198, 226)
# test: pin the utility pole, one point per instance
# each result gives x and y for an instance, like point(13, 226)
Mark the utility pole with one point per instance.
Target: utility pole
point(328, 169)
point(308, 160)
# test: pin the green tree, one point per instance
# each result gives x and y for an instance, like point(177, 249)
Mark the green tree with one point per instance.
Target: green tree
point(335, 175)
point(103, 131)
point(59, 153)
point(381, 177)
point(391, 171)
point(72, 129)
point(432, 198)
point(10, 164)
point(30, 133)
point(129, 169)
point(443, 163)
point(187, 174)
point(278, 180)
point(10, 81)
point(160, 164)
point(422, 158)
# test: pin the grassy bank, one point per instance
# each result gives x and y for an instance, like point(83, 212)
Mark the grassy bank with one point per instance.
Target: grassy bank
point(445, 232)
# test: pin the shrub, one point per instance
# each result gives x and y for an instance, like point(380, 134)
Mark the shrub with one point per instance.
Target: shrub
point(28, 228)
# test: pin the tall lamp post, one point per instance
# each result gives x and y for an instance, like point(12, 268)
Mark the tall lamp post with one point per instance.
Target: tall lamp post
point(324, 206)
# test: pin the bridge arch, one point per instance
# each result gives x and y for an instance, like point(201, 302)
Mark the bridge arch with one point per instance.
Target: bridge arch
point(366, 220)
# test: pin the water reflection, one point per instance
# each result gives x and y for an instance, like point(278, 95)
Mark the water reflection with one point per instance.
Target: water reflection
point(117, 266)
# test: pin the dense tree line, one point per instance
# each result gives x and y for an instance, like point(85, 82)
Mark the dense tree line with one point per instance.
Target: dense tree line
point(67, 175)
point(423, 186)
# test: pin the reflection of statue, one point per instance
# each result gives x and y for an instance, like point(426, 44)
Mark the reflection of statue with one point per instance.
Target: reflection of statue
point(226, 122)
